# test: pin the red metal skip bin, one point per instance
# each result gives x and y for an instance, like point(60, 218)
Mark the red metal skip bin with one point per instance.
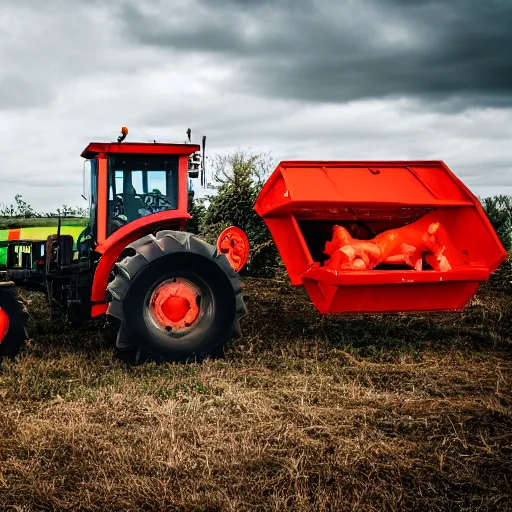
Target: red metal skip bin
point(379, 236)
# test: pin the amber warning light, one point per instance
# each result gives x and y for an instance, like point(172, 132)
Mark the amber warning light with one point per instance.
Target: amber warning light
point(124, 133)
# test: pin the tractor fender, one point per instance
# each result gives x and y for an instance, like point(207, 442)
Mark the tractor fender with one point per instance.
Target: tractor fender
point(114, 245)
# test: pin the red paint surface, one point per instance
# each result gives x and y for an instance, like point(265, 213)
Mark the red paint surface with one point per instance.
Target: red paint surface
point(114, 245)
point(381, 192)
point(102, 200)
point(96, 148)
point(4, 324)
point(14, 234)
point(174, 305)
point(234, 244)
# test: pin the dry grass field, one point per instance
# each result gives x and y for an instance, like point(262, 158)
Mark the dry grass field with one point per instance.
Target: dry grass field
point(401, 412)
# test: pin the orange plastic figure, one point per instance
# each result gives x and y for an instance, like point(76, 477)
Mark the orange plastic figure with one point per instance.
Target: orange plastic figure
point(405, 245)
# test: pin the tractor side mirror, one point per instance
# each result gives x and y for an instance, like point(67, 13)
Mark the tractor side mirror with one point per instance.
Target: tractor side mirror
point(87, 180)
point(194, 164)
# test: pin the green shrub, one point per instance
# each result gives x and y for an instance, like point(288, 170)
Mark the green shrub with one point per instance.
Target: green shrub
point(241, 176)
point(501, 279)
point(197, 212)
point(499, 211)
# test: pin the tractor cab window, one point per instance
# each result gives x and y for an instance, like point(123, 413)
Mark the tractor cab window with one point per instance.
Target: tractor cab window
point(140, 185)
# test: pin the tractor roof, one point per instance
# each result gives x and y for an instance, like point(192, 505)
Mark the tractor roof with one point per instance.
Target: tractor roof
point(152, 148)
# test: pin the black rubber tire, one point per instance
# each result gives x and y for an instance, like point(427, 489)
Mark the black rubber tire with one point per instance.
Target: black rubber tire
point(16, 311)
point(154, 259)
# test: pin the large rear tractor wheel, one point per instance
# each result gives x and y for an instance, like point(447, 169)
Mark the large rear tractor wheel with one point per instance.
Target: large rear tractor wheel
point(174, 298)
point(13, 317)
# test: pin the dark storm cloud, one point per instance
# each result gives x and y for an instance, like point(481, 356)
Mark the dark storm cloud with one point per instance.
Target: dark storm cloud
point(48, 47)
point(457, 51)
point(254, 74)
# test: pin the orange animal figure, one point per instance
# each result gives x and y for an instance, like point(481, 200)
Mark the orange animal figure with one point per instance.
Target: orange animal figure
point(405, 245)
point(348, 253)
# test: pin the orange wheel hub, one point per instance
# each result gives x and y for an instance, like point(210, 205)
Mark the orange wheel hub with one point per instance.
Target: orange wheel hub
point(233, 242)
point(174, 304)
point(4, 324)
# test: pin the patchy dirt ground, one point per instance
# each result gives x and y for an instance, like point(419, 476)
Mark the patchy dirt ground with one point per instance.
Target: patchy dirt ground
point(401, 412)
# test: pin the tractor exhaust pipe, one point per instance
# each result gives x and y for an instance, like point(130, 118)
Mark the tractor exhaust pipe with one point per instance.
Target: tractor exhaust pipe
point(203, 163)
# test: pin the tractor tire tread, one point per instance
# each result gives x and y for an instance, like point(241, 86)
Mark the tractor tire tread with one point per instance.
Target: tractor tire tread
point(148, 249)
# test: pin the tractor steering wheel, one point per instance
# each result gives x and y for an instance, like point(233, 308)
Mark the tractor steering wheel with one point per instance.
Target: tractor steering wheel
point(148, 201)
point(154, 201)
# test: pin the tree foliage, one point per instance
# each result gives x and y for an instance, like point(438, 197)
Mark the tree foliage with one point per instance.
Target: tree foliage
point(22, 210)
point(19, 208)
point(499, 211)
point(197, 212)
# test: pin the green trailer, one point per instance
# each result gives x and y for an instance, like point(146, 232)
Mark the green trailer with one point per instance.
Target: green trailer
point(22, 241)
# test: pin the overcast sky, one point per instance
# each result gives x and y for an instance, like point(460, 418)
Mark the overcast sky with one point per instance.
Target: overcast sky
point(315, 79)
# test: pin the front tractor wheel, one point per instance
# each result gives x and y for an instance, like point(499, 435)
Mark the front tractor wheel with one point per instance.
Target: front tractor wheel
point(174, 298)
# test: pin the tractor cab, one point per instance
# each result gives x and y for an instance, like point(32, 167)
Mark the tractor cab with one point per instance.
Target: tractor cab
point(126, 182)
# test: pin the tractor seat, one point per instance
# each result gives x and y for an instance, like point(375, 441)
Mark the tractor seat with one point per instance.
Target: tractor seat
point(132, 205)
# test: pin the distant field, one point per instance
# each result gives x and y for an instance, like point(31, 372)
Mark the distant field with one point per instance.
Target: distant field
point(344, 413)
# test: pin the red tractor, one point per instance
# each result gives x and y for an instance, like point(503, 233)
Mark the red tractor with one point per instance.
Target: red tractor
point(369, 237)
point(169, 294)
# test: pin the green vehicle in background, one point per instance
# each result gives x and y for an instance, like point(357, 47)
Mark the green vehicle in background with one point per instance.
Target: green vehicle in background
point(23, 241)
point(23, 247)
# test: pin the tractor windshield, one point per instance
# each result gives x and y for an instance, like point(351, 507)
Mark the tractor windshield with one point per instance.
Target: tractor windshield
point(140, 185)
